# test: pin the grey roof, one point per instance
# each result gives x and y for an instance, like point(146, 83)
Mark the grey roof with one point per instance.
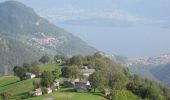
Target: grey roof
point(29, 74)
point(82, 81)
point(87, 70)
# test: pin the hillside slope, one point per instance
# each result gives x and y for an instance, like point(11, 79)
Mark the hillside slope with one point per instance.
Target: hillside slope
point(20, 89)
point(30, 36)
point(162, 73)
point(22, 22)
point(13, 52)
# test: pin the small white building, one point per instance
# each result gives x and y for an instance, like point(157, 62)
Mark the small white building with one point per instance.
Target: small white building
point(36, 92)
point(30, 75)
point(49, 90)
point(56, 84)
point(107, 92)
point(60, 61)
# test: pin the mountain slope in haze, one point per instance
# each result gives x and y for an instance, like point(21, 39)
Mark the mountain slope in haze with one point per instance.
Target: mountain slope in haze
point(22, 22)
point(28, 36)
point(159, 73)
point(156, 68)
point(162, 73)
point(13, 52)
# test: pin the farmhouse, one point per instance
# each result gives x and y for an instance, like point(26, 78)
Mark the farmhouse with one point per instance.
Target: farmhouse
point(30, 75)
point(82, 86)
point(107, 92)
point(56, 84)
point(48, 90)
point(60, 61)
point(68, 83)
point(36, 92)
point(86, 71)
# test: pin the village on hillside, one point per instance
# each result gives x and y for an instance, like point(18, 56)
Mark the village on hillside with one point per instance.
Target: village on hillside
point(70, 73)
point(79, 84)
point(157, 60)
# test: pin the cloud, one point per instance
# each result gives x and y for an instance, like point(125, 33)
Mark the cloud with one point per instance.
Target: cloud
point(73, 15)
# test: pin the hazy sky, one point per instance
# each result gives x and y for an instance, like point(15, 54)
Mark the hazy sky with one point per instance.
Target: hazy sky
point(133, 28)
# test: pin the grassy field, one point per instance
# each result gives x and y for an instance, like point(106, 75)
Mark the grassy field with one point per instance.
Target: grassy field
point(20, 89)
point(48, 67)
point(7, 80)
point(68, 94)
point(17, 88)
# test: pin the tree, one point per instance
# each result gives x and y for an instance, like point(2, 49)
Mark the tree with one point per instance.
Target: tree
point(56, 72)
point(73, 71)
point(97, 80)
point(5, 95)
point(27, 66)
point(76, 60)
point(57, 57)
point(123, 95)
point(34, 64)
point(100, 64)
point(45, 82)
point(70, 71)
point(20, 72)
point(137, 88)
point(154, 92)
point(44, 59)
point(36, 84)
point(64, 72)
point(117, 81)
point(150, 90)
point(47, 79)
point(35, 70)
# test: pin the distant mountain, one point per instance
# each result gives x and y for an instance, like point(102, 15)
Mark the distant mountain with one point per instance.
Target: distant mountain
point(21, 22)
point(24, 29)
point(157, 60)
point(144, 71)
point(155, 68)
point(162, 73)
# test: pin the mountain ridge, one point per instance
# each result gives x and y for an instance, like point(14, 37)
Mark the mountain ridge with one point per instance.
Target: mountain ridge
point(25, 27)
point(20, 21)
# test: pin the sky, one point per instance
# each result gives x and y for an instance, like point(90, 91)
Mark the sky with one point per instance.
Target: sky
point(132, 28)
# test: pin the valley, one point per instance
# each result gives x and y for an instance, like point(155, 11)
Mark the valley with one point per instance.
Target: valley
point(42, 61)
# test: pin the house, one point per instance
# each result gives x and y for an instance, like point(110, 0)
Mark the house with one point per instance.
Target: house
point(70, 82)
point(30, 75)
point(107, 92)
point(82, 86)
point(56, 84)
point(36, 92)
point(86, 71)
point(48, 90)
point(61, 62)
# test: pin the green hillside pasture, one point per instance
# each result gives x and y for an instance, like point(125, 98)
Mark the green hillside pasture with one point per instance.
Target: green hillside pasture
point(17, 88)
point(68, 94)
point(7, 80)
